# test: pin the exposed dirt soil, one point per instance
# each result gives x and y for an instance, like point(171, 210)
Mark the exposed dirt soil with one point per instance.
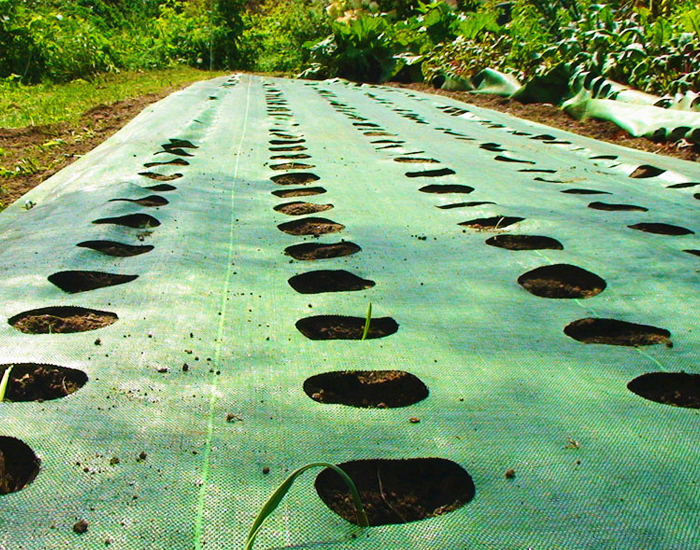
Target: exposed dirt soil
point(397, 491)
point(548, 114)
point(340, 327)
point(56, 320)
point(41, 151)
point(33, 382)
point(680, 389)
point(367, 389)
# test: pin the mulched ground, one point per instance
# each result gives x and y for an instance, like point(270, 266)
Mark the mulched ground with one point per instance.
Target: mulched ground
point(548, 114)
point(102, 121)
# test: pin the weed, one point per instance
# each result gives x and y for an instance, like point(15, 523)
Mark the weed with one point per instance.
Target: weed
point(368, 320)
point(274, 501)
point(4, 382)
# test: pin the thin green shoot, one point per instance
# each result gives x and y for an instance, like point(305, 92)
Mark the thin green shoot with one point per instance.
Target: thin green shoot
point(274, 501)
point(368, 320)
point(4, 382)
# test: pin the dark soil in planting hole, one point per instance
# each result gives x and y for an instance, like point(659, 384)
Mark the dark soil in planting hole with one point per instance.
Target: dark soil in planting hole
point(175, 151)
point(175, 142)
point(301, 208)
point(340, 327)
point(693, 252)
point(366, 388)
point(646, 171)
point(175, 162)
point(683, 185)
point(441, 189)
point(416, 160)
point(492, 223)
point(301, 192)
point(397, 491)
point(287, 141)
point(328, 280)
point(431, 173)
point(372, 134)
point(314, 251)
point(562, 281)
point(311, 226)
point(160, 177)
point(290, 148)
point(297, 156)
point(161, 188)
point(617, 207)
point(34, 382)
point(670, 388)
point(493, 147)
point(524, 242)
point(292, 166)
point(18, 465)
point(661, 229)
point(113, 248)
point(584, 192)
point(295, 178)
point(150, 201)
point(464, 204)
point(82, 281)
point(616, 333)
point(501, 158)
point(137, 221)
point(61, 320)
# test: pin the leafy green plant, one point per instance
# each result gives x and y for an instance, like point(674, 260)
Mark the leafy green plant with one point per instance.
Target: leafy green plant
point(276, 498)
point(368, 320)
point(4, 382)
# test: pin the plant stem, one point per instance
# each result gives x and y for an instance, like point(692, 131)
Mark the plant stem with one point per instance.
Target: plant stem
point(4, 382)
point(368, 320)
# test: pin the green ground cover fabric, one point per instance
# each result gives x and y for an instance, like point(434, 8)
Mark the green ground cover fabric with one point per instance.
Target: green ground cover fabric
point(590, 464)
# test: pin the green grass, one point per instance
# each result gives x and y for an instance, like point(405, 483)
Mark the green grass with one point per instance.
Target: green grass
point(41, 104)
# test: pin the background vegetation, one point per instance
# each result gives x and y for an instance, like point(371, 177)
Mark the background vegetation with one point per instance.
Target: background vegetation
point(653, 45)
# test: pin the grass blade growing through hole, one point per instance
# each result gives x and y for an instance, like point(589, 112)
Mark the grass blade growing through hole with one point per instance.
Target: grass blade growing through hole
point(368, 320)
point(4, 382)
point(274, 501)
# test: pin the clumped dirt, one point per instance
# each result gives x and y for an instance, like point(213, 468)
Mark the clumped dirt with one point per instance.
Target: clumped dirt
point(463, 204)
point(160, 177)
point(548, 114)
point(82, 281)
point(491, 224)
point(397, 491)
point(367, 389)
point(161, 188)
point(416, 160)
point(34, 382)
point(311, 226)
point(679, 389)
point(59, 320)
point(295, 178)
point(616, 333)
point(431, 173)
point(524, 242)
point(292, 166)
point(314, 251)
point(301, 208)
point(18, 465)
point(328, 280)
point(340, 327)
point(300, 192)
point(562, 281)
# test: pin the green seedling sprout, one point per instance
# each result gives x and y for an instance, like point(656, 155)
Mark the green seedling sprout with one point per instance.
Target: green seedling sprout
point(368, 320)
point(4, 382)
point(274, 501)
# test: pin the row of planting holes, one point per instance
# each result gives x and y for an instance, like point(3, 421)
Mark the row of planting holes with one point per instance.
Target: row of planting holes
point(387, 389)
point(366, 389)
point(561, 280)
point(19, 465)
